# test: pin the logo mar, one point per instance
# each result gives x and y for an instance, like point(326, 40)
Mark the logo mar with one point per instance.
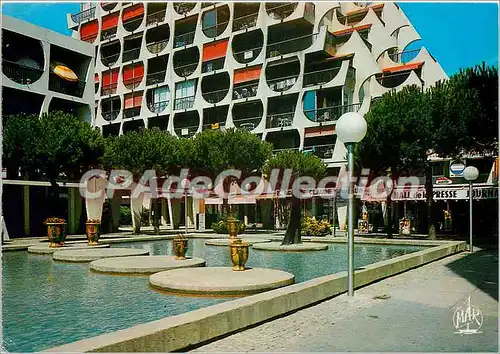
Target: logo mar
point(467, 319)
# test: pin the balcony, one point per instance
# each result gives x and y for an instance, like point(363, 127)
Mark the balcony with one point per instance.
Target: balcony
point(83, 16)
point(215, 96)
point(214, 126)
point(291, 45)
point(215, 30)
point(108, 34)
point(158, 107)
point(277, 151)
point(213, 65)
point(131, 112)
point(184, 102)
point(320, 77)
point(245, 22)
point(183, 7)
point(322, 151)
point(280, 120)
point(185, 70)
point(155, 17)
point(280, 10)
point(247, 55)
point(157, 47)
point(330, 114)
point(110, 115)
point(20, 73)
point(156, 77)
point(186, 132)
point(110, 60)
point(282, 84)
point(108, 89)
point(393, 80)
point(133, 82)
point(131, 54)
point(245, 91)
point(184, 39)
point(248, 124)
point(67, 87)
point(404, 57)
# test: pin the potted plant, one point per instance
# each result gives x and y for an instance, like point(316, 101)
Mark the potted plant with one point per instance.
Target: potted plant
point(180, 247)
point(93, 231)
point(239, 254)
point(56, 231)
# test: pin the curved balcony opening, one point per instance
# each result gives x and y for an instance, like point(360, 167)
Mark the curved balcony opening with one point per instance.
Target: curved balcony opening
point(352, 18)
point(157, 70)
point(132, 75)
point(132, 47)
point(246, 82)
point(215, 117)
point(68, 71)
point(132, 103)
point(247, 46)
point(80, 110)
point(214, 88)
point(182, 8)
point(247, 115)
point(109, 26)
point(185, 94)
point(16, 101)
point(215, 22)
point(158, 99)
point(280, 10)
point(320, 141)
point(319, 70)
point(184, 32)
point(392, 80)
point(132, 17)
point(110, 52)
point(207, 4)
point(186, 123)
point(327, 19)
point(289, 37)
point(160, 122)
point(281, 75)
point(133, 126)
point(22, 58)
point(111, 130)
point(284, 140)
point(109, 82)
point(402, 57)
point(157, 38)
point(186, 61)
point(281, 110)
point(245, 15)
point(108, 6)
point(326, 106)
point(110, 108)
point(156, 12)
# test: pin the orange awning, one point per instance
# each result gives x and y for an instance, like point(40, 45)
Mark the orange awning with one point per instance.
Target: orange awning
point(360, 11)
point(319, 131)
point(132, 12)
point(89, 30)
point(247, 74)
point(110, 21)
point(406, 67)
point(133, 71)
point(110, 77)
point(350, 30)
point(64, 72)
point(215, 50)
point(133, 100)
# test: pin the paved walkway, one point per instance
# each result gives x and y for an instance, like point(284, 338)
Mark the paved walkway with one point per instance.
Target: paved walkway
point(409, 312)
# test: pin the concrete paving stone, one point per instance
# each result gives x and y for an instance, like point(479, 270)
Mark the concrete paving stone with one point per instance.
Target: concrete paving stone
point(45, 249)
point(87, 255)
point(143, 264)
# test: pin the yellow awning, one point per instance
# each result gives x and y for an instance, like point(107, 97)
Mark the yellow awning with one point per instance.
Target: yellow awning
point(64, 72)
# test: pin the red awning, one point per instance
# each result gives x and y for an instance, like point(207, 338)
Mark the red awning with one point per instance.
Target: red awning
point(132, 12)
point(133, 100)
point(110, 77)
point(89, 31)
point(350, 30)
point(110, 21)
point(247, 74)
point(133, 71)
point(215, 50)
point(319, 131)
point(406, 67)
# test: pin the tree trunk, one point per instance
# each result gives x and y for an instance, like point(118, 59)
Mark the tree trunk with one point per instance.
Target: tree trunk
point(292, 235)
point(429, 201)
point(54, 207)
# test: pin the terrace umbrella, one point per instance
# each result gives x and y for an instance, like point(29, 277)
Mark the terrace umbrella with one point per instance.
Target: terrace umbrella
point(63, 72)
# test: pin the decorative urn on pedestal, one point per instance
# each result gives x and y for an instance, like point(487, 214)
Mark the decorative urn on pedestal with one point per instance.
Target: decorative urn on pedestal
point(56, 231)
point(180, 247)
point(93, 231)
point(232, 227)
point(239, 254)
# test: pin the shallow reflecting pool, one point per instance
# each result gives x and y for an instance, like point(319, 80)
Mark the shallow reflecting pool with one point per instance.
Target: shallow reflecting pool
point(48, 303)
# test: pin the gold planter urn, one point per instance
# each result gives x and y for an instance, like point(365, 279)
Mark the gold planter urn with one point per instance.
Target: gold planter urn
point(232, 227)
point(93, 231)
point(180, 247)
point(239, 254)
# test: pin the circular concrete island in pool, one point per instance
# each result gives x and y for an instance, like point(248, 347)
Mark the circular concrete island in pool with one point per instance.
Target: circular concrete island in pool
point(45, 249)
point(227, 241)
point(220, 280)
point(143, 264)
point(300, 247)
point(87, 255)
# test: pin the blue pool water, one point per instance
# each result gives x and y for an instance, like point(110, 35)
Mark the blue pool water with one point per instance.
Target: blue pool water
point(46, 303)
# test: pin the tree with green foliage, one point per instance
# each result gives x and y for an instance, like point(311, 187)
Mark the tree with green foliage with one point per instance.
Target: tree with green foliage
point(301, 165)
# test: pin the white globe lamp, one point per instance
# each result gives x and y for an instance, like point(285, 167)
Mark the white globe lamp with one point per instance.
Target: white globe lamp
point(351, 127)
point(471, 173)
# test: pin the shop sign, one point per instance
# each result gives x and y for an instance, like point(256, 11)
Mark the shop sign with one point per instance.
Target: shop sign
point(457, 169)
point(443, 180)
point(459, 193)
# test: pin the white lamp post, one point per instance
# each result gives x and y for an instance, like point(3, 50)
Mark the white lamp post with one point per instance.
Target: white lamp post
point(470, 174)
point(350, 129)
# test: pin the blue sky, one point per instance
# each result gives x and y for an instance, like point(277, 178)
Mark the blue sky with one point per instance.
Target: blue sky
point(456, 34)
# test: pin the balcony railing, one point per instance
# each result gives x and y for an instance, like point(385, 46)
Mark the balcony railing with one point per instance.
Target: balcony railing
point(215, 30)
point(131, 112)
point(155, 17)
point(320, 77)
point(156, 77)
point(133, 81)
point(248, 55)
point(212, 65)
point(282, 83)
point(245, 91)
point(184, 102)
point(280, 120)
point(393, 80)
point(133, 23)
point(131, 54)
point(158, 107)
point(277, 151)
point(110, 115)
point(157, 47)
point(247, 123)
point(20, 73)
point(405, 56)
point(332, 113)
point(322, 151)
point(108, 34)
point(183, 7)
point(110, 59)
point(184, 39)
point(214, 126)
point(71, 88)
point(84, 15)
point(185, 70)
point(215, 96)
point(109, 89)
point(186, 131)
point(290, 45)
point(281, 11)
point(244, 22)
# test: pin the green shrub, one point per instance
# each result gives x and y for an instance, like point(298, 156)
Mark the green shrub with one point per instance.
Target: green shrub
point(125, 216)
point(220, 227)
point(312, 227)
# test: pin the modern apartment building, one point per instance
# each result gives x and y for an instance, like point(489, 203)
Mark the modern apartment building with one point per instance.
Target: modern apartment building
point(285, 71)
point(43, 70)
